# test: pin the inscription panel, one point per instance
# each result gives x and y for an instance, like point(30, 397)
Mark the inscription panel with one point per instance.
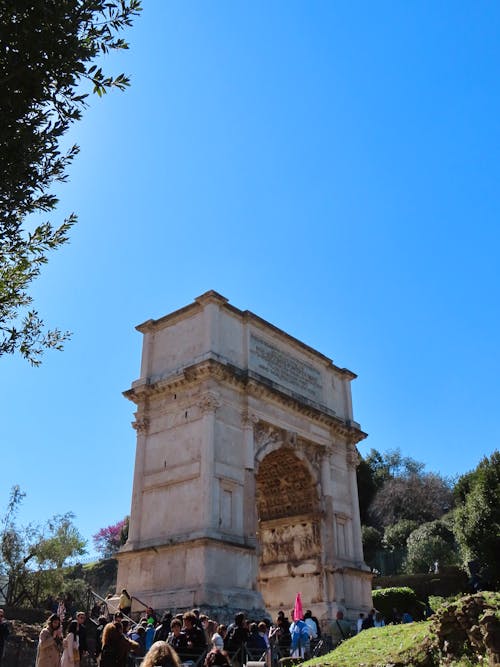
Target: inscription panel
point(284, 369)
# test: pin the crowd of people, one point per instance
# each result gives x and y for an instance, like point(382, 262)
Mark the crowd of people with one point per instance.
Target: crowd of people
point(189, 638)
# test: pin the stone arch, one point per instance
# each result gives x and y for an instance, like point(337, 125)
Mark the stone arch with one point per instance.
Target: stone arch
point(289, 526)
point(285, 486)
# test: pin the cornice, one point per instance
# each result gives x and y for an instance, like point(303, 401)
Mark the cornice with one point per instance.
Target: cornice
point(253, 384)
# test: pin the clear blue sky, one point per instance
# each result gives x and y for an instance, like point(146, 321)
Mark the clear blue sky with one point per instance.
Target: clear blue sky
point(334, 168)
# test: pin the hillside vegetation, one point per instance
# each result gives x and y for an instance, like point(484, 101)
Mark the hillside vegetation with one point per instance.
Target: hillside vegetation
point(460, 634)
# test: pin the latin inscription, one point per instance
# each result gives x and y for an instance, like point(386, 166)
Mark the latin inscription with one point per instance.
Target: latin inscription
point(282, 368)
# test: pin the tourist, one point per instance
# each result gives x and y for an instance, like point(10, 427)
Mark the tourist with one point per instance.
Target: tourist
point(218, 637)
point(359, 623)
point(378, 620)
point(125, 602)
point(177, 639)
point(340, 629)
point(368, 622)
point(301, 638)
point(71, 653)
point(50, 643)
point(280, 636)
point(163, 630)
point(138, 635)
point(236, 638)
point(311, 624)
point(150, 634)
point(150, 613)
point(81, 617)
point(4, 633)
point(263, 629)
point(163, 654)
point(196, 643)
point(115, 645)
point(406, 617)
point(216, 658)
point(256, 645)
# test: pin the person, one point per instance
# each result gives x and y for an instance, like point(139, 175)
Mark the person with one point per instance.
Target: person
point(150, 613)
point(218, 637)
point(162, 654)
point(359, 623)
point(71, 654)
point(340, 629)
point(280, 636)
point(368, 622)
point(101, 624)
point(311, 624)
point(301, 638)
point(138, 634)
point(125, 602)
point(378, 620)
point(4, 633)
point(61, 609)
point(263, 629)
point(110, 643)
point(116, 645)
point(195, 636)
point(177, 639)
point(256, 644)
point(216, 658)
point(50, 643)
point(81, 617)
point(150, 634)
point(406, 617)
point(236, 638)
point(163, 630)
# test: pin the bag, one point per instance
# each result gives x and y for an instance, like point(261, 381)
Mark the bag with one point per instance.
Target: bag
point(76, 655)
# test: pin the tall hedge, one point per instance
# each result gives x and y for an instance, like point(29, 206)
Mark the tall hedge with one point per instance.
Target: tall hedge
point(386, 600)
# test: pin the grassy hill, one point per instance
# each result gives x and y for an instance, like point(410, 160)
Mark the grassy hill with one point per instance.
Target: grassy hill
point(460, 634)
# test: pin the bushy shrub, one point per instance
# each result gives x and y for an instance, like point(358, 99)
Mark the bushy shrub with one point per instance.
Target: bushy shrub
point(395, 536)
point(429, 543)
point(402, 599)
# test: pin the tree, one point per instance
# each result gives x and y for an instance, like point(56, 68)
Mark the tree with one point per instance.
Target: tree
point(32, 556)
point(108, 540)
point(429, 543)
point(477, 517)
point(49, 48)
point(372, 542)
point(419, 497)
point(395, 536)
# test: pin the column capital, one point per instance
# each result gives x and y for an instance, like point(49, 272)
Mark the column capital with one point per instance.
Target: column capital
point(209, 402)
point(141, 425)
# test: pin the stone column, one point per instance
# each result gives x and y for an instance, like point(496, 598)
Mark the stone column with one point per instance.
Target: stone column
point(249, 508)
point(208, 404)
point(141, 426)
point(352, 463)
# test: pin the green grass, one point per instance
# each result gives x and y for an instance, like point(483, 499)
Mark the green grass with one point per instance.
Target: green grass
point(378, 647)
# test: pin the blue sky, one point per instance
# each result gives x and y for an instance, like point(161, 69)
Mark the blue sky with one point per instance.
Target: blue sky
point(332, 167)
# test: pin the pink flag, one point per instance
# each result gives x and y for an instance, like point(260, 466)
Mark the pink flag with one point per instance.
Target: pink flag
point(297, 610)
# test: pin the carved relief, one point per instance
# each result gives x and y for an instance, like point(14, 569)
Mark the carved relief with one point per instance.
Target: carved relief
point(313, 453)
point(284, 487)
point(265, 434)
point(290, 543)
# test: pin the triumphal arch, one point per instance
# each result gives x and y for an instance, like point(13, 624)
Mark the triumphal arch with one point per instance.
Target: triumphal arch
point(245, 473)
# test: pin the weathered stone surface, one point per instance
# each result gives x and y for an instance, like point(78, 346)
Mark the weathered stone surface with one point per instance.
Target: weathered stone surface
point(244, 484)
